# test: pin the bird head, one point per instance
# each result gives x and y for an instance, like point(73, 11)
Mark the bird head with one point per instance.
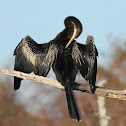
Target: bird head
point(73, 27)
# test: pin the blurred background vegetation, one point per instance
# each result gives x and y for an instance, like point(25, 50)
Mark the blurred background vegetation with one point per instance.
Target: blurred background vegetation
point(40, 105)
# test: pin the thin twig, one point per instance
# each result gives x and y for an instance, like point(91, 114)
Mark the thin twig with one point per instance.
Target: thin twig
point(100, 91)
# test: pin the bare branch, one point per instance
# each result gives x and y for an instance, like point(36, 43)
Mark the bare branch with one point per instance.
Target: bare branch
point(100, 91)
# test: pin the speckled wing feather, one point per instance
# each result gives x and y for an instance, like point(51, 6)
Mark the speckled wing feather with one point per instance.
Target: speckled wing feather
point(33, 57)
point(86, 58)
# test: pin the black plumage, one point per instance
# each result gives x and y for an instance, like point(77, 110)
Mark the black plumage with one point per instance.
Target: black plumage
point(86, 58)
point(64, 55)
point(30, 56)
point(33, 57)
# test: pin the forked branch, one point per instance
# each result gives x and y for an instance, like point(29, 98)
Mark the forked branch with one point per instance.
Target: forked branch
point(100, 91)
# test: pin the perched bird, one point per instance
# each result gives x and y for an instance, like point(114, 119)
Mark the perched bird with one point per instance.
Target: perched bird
point(65, 67)
point(39, 58)
point(76, 57)
point(65, 56)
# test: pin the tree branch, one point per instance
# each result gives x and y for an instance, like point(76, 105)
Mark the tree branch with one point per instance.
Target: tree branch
point(100, 91)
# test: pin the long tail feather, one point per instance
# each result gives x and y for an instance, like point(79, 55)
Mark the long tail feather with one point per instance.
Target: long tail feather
point(74, 110)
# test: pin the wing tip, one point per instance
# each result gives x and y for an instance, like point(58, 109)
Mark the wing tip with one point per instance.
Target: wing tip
point(26, 38)
point(90, 36)
point(17, 83)
point(90, 39)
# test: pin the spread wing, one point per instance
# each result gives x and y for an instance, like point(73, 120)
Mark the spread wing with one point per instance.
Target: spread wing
point(86, 59)
point(33, 57)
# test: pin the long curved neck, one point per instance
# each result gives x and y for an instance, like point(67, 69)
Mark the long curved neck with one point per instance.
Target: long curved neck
point(73, 29)
point(63, 37)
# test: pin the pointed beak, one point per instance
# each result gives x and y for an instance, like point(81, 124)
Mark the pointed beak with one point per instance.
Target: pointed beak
point(73, 36)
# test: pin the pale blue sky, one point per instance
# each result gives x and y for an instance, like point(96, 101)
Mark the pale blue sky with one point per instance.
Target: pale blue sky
point(43, 20)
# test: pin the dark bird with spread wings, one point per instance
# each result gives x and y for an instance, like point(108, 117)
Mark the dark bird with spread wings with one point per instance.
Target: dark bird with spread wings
point(64, 55)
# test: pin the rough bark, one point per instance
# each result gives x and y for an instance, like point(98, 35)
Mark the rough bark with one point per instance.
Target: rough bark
point(100, 91)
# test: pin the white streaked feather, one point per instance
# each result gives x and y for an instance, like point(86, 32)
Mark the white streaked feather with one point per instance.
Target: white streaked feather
point(76, 54)
point(45, 62)
point(36, 59)
point(81, 58)
point(51, 55)
point(28, 53)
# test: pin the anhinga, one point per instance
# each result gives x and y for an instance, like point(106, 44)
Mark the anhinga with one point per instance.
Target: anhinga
point(64, 55)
